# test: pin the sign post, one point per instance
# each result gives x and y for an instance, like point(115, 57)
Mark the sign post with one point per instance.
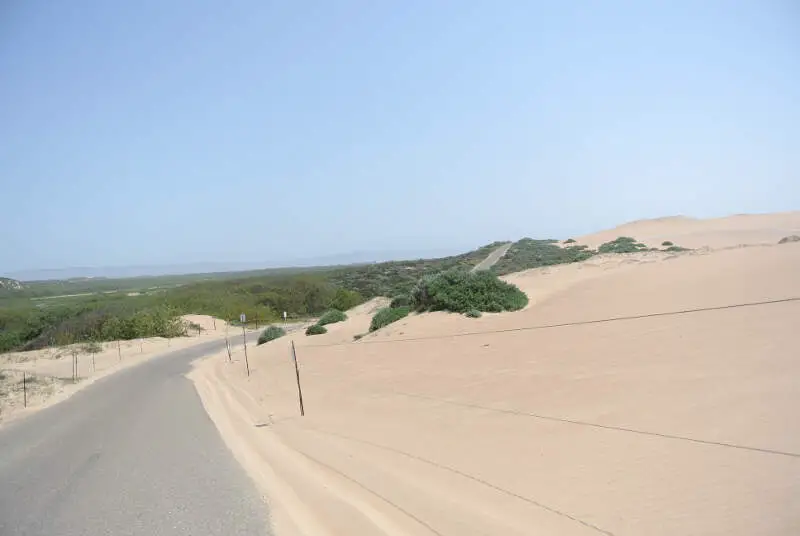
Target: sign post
point(284, 317)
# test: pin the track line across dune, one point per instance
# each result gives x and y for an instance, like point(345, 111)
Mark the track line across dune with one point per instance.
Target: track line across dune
point(462, 474)
point(566, 324)
point(603, 426)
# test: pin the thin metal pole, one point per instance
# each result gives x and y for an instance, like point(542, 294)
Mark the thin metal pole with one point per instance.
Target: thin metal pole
point(119, 350)
point(299, 389)
point(24, 391)
point(246, 362)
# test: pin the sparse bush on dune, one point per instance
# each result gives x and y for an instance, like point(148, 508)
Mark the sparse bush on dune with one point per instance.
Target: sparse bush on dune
point(270, 334)
point(387, 315)
point(667, 243)
point(473, 313)
point(459, 291)
point(316, 329)
point(675, 249)
point(623, 244)
point(569, 241)
point(331, 317)
point(403, 300)
point(788, 239)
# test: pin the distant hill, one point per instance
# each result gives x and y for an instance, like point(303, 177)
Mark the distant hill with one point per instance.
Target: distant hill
point(7, 283)
point(89, 273)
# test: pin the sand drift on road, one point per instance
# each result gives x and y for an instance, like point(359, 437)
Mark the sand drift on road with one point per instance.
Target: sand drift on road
point(650, 393)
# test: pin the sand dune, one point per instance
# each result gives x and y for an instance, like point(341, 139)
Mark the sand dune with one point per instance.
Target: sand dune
point(440, 424)
point(715, 233)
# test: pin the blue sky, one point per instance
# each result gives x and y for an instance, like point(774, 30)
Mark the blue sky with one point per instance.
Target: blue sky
point(171, 132)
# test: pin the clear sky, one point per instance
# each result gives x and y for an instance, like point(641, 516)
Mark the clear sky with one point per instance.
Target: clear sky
point(162, 132)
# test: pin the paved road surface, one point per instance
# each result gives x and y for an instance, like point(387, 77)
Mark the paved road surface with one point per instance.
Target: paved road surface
point(493, 257)
point(134, 453)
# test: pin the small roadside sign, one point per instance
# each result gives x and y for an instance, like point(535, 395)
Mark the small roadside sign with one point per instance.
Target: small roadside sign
point(242, 318)
point(284, 316)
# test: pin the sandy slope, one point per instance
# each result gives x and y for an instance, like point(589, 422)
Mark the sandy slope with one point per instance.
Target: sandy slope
point(49, 371)
point(659, 425)
point(696, 233)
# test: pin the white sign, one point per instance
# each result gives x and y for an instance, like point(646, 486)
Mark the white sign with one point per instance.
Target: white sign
point(284, 316)
point(242, 318)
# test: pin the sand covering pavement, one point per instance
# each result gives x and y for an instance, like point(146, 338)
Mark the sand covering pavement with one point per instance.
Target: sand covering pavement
point(48, 372)
point(659, 425)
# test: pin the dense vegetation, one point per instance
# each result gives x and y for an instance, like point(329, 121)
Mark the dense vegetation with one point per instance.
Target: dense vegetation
point(403, 300)
point(530, 253)
point(30, 327)
point(399, 277)
point(62, 312)
point(331, 317)
point(387, 315)
point(460, 291)
point(270, 334)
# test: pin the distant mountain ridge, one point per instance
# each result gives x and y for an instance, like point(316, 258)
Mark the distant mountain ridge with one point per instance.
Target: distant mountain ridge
point(114, 272)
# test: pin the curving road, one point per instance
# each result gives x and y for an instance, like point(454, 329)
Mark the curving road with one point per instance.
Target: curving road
point(132, 454)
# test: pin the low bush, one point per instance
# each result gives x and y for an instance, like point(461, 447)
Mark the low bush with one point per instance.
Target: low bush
point(403, 300)
point(387, 315)
point(92, 347)
point(316, 329)
point(667, 243)
point(676, 249)
point(459, 291)
point(788, 239)
point(473, 313)
point(358, 336)
point(331, 317)
point(270, 334)
point(569, 241)
point(623, 244)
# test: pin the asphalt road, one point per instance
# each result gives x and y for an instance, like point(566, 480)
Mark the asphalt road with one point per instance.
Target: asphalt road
point(134, 453)
point(493, 257)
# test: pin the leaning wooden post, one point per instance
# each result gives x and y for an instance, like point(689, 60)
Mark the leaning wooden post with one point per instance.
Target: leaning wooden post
point(299, 389)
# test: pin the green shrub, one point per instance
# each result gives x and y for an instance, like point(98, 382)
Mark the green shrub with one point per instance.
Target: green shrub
point(459, 291)
point(387, 315)
point(316, 329)
point(789, 239)
point(270, 334)
point(345, 299)
point(623, 244)
point(667, 243)
point(676, 249)
point(403, 300)
point(92, 347)
point(569, 241)
point(358, 336)
point(331, 317)
point(473, 313)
